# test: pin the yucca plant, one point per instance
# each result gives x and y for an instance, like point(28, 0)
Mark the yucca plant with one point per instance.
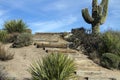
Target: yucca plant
point(13, 26)
point(53, 67)
point(3, 36)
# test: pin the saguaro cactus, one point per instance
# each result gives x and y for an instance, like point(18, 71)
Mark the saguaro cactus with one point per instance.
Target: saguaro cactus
point(99, 13)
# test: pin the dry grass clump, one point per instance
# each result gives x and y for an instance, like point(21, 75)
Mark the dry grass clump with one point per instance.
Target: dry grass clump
point(5, 54)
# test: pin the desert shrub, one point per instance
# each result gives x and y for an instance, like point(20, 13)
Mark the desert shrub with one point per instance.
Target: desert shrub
point(12, 37)
point(96, 45)
point(111, 41)
point(90, 42)
point(76, 37)
point(3, 36)
point(5, 54)
point(14, 26)
point(110, 60)
point(53, 67)
point(23, 39)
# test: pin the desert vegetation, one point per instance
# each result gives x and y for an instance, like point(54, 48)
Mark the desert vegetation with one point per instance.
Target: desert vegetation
point(5, 54)
point(16, 32)
point(99, 14)
point(53, 67)
point(23, 39)
point(103, 48)
point(15, 26)
point(3, 36)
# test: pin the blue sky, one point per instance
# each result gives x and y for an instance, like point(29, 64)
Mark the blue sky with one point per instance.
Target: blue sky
point(55, 15)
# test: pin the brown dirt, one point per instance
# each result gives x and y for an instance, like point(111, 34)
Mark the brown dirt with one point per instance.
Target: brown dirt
point(23, 57)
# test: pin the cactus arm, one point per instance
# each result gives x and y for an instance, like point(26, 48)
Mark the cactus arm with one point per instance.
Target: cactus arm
point(87, 16)
point(94, 3)
point(102, 3)
point(104, 13)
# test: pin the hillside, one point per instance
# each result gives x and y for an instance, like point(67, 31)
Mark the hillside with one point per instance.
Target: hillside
point(18, 66)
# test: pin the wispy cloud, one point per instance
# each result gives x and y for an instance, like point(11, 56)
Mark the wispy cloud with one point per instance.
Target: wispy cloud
point(65, 5)
point(53, 25)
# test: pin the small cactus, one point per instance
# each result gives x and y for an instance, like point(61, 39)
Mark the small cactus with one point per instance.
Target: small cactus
point(99, 13)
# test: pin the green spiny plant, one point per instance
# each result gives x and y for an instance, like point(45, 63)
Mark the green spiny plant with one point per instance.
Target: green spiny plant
point(13, 26)
point(99, 13)
point(53, 67)
point(5, 54)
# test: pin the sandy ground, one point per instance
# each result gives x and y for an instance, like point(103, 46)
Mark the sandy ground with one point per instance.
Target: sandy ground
point(23, 57)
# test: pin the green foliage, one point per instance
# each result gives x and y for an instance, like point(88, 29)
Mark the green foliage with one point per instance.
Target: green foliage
point(23, 39)
point(111, 41)
point(110, 60)
point(14, 26)
point(5, 54)
point(3, 36)
point(99, 13)
point(96, 45)
point(53, 67)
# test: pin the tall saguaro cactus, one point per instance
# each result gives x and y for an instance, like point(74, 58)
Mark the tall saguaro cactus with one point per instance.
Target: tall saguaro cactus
point(99, 13)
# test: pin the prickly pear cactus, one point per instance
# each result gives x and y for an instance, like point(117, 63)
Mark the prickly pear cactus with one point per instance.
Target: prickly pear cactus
point(99, 13)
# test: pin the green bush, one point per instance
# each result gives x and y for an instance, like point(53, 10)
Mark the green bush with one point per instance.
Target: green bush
point(111, 40)
point(23, 39)
point(110, 60)
point(5, 54)
point(14, 26)
point(53, 67)
point(3, 36)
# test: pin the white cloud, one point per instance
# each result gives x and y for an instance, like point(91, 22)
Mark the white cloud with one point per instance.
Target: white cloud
point(53, 24)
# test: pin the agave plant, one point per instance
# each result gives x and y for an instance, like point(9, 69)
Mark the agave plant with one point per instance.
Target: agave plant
point(53, 67)
point(13, 26)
